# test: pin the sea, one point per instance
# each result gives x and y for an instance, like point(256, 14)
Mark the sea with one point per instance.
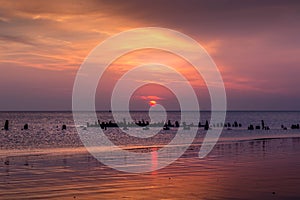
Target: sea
point(47, 162)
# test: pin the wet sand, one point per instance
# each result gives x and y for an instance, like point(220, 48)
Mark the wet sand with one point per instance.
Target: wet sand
point(252, 169)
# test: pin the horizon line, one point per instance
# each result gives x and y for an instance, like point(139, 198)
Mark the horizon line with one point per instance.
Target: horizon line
point(148, 111)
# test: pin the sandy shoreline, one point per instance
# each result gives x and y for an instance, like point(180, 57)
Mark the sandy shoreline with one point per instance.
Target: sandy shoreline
point(7, 152)
point(240, 170)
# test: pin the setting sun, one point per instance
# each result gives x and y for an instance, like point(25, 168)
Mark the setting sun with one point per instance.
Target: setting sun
point(152, 103)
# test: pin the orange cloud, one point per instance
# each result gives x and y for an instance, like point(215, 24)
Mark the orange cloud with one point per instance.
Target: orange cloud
point(150, 97)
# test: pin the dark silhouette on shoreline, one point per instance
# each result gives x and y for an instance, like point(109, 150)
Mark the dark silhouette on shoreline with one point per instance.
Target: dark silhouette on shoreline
point(206, 126)
point(25, 127)
point(6, 125)
point(295, 126)
point(250, 127)
point(166, 125)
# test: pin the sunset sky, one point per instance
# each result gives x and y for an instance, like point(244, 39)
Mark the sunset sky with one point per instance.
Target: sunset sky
point(255, 44)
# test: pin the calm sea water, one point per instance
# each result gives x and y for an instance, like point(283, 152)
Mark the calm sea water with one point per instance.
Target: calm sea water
point(45, 128)
point(46, 162)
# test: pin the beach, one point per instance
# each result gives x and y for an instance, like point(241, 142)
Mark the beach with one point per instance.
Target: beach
point(149, 100)
point(240, 168)
point(261, 169)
